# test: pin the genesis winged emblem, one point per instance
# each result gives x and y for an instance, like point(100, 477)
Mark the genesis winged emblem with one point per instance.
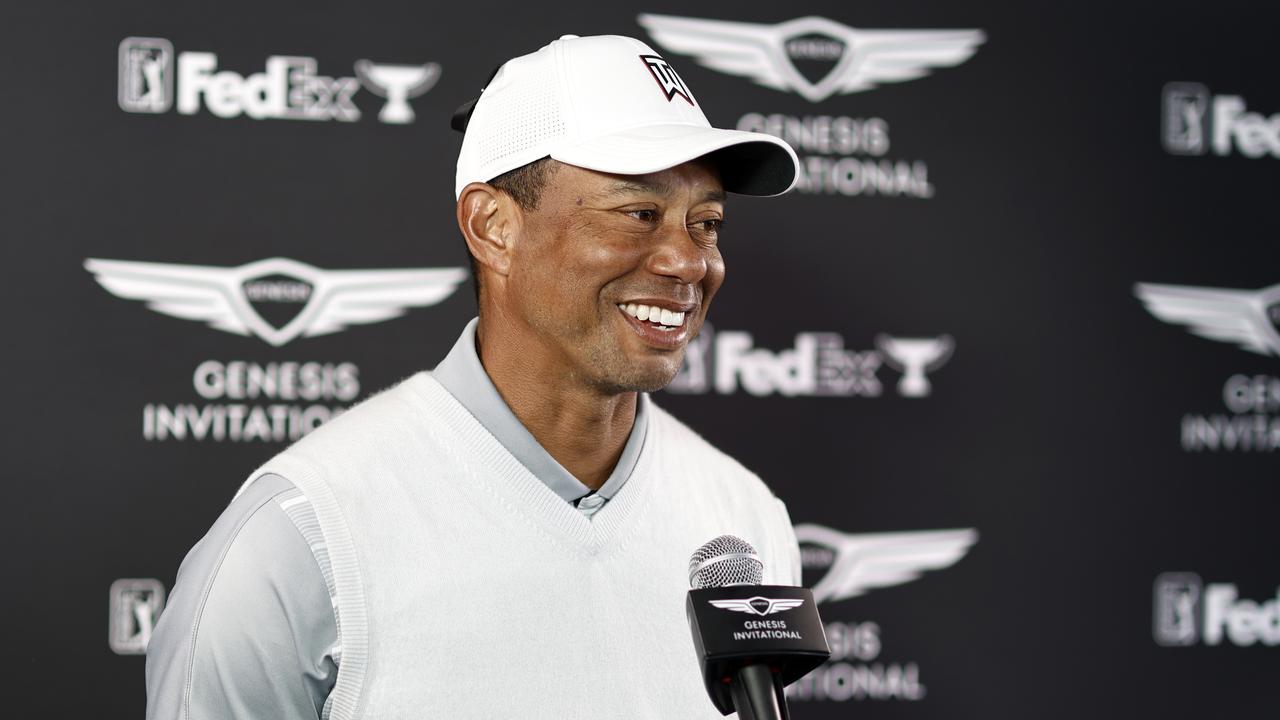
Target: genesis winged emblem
point(217, 297)
point(1244, 317)
point(867, 58)
point(758, 605)
point(868, 561)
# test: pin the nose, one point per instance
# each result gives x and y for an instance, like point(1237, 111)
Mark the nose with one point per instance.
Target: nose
point(677, 255)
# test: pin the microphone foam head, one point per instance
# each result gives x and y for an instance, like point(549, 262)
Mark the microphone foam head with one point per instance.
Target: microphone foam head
point(723, 561)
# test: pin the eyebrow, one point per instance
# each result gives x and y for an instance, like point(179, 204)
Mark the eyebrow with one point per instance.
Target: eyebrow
point(622, 187)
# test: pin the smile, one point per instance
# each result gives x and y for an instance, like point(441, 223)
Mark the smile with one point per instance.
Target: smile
point(661, 318)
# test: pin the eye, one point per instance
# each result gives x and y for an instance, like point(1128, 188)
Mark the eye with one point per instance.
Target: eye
point(644, 214)
point(709, 226)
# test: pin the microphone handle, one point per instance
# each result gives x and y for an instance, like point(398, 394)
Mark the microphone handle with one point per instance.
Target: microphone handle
point(757, 694)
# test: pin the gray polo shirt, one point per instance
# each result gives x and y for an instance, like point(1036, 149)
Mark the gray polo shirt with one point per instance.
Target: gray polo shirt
point(252, 611)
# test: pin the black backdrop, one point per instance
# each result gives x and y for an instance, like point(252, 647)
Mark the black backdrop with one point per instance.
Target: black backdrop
point(1085, 443)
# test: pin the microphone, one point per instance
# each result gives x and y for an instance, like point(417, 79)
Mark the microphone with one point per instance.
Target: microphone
point(752, 640)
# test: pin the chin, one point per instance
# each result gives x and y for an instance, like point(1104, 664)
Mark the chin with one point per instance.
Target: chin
point(638, 379)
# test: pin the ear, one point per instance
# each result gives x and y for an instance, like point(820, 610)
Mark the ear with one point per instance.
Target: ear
point(490, 221)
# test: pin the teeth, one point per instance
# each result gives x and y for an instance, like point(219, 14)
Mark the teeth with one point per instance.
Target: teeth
point(653, 314)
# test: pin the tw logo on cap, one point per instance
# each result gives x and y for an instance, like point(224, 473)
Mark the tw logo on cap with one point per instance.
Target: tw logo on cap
point(667, 78)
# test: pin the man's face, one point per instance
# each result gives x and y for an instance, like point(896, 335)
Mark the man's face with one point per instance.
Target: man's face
point(602, 249)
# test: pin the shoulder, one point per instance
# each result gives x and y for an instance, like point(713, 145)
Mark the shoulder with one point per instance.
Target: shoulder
point(387, 414)
point(701, 455)
point(414, 416)
point(256, 545)
point(254, 514)
point(251, 584)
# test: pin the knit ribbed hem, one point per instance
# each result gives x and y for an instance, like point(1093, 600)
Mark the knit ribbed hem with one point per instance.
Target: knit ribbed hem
point(345, 698)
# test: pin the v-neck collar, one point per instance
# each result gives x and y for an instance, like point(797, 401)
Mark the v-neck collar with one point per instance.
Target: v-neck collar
point(514, 486)
point(462, 374)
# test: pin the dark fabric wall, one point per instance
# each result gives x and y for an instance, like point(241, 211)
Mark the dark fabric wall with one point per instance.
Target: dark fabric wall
point(1009, 353)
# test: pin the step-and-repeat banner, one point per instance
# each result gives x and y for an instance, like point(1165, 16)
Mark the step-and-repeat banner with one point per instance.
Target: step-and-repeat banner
point(1009, 351)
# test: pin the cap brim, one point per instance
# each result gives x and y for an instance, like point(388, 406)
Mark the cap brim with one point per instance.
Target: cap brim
point(750, 163)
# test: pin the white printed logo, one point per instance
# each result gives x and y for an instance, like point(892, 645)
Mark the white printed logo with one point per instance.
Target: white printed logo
point(759, 605)
point(146, 75)
point(1247, 318)
point(913, 357)
point(304, 300)
point(849, 565)
point(1188, 612)
point(397, 83)
point(857, 563)
point(1177, 609)
point(1184, 118)
point(858, 60)
point(1192, 121)
point(134, 607)
point(290, 87)
point(817, 365)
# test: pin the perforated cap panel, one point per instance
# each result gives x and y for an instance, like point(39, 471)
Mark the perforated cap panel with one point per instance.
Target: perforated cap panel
point(530, 119)
point(723, 561)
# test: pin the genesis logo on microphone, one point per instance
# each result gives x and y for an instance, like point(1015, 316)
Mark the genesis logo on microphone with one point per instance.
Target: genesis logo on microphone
point(747, 663)
point(758, 605)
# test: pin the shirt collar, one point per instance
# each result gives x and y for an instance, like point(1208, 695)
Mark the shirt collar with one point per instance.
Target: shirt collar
point(465, 378)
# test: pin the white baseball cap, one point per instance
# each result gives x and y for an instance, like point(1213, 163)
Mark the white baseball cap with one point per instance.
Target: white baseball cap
point(607, 103)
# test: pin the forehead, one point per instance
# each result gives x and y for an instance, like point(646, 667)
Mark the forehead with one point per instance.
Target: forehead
point(697, 179)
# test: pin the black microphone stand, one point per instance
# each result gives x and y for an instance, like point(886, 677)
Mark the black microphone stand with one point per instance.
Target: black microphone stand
point(756, 690)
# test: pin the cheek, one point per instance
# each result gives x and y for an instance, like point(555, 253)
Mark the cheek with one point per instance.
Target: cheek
point(715, 275)
point(541, 262)
point(598, 255)
point(568, 267)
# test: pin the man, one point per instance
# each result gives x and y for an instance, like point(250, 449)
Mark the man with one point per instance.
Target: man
point(507, 535)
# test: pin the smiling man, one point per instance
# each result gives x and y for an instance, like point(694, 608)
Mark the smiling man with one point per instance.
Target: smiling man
point(507, 534)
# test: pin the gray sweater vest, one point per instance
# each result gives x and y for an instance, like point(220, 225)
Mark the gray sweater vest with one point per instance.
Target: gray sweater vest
point(467, 588)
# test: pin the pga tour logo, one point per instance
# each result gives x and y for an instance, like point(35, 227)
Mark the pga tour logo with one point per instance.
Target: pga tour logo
point(817, 365)
point(1188, 612)
point(1193, 122)
point(135, 605)
point(152, 77)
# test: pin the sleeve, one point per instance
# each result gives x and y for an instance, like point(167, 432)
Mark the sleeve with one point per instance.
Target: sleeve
point(250, 629)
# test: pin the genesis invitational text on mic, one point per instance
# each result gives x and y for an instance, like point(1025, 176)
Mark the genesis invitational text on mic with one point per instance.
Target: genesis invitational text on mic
point(752, 640)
